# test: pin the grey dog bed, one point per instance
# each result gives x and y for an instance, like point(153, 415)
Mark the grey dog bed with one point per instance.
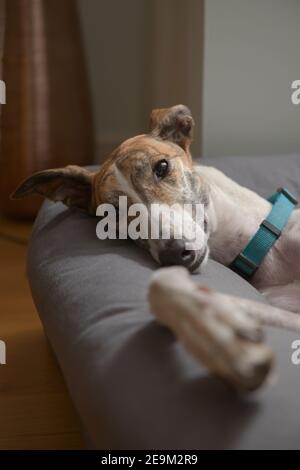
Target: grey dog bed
point(129, 379)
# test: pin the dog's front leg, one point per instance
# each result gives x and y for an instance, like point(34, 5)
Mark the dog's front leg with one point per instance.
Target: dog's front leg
point(265, 313)
point(212, 327)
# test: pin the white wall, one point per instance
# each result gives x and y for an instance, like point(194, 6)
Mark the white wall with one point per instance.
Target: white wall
point(252, 54)
point(147, 53)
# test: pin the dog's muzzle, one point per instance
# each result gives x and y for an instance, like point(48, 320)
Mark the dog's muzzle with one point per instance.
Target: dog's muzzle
point(175, 254)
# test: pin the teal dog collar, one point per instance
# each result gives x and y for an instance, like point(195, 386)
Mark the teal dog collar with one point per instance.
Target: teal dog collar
point(249, 260)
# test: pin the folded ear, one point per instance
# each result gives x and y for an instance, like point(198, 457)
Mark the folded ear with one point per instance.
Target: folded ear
point(71, 185)
point(175, 124)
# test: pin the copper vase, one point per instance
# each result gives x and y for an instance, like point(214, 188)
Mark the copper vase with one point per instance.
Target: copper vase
point(46, 121)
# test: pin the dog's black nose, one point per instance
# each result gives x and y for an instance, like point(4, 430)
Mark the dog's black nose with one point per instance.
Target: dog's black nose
point(175, 253)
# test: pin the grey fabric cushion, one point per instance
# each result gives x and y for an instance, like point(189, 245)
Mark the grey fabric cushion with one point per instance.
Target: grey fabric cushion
point(261, 174)
point(127, 375)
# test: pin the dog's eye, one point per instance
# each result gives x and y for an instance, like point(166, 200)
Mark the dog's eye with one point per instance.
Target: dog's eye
point(161, 169)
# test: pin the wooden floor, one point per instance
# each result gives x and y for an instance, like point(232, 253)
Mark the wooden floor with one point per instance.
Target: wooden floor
point(35, 409)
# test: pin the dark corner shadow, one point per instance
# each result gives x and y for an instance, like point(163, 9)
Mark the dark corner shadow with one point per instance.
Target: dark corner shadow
point(189, 408)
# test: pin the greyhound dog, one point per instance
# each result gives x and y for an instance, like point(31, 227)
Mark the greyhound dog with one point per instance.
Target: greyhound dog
point(222, 331)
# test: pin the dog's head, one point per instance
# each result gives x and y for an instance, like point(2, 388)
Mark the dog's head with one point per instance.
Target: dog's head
point(154, 168)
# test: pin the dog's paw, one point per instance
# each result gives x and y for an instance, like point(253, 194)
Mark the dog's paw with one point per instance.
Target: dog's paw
point(212, 328)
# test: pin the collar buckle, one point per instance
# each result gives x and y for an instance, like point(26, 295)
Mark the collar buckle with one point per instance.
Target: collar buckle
point(274, 230)
point(242, 258)
point(288, 195)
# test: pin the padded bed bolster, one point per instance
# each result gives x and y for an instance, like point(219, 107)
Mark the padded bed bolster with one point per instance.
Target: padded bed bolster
point(132, 383)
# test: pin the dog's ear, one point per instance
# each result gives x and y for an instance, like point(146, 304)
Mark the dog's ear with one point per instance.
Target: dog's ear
point(71, 185)
point(175, 124)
